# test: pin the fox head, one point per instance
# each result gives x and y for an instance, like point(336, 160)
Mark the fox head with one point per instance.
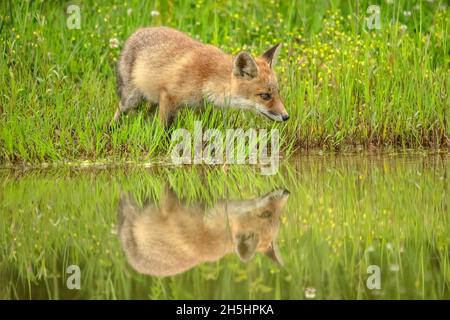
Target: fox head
point(255, 227)
point(254, 84)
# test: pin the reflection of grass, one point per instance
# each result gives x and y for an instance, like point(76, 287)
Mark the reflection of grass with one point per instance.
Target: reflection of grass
point(343, 215)
point(343, 85)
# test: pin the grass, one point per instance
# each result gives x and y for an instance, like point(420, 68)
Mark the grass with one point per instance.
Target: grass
point(344, 86)
point(344, 214)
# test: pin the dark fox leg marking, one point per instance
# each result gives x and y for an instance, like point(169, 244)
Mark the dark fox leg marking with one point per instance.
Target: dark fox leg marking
point(131, 97)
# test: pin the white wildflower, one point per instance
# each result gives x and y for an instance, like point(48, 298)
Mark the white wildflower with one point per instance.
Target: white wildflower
point(113, 43)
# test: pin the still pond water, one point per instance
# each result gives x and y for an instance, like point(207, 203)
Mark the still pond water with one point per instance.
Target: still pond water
point(323, 227)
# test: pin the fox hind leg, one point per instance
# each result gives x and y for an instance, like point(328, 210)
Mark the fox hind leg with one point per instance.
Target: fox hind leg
point(130, 98)
point(167, 109)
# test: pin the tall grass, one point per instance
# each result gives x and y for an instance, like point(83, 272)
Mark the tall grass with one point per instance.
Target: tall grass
point(344, 86)
point(343, 215)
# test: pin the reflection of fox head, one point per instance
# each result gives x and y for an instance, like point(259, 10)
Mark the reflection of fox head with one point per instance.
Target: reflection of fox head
point(172, 238)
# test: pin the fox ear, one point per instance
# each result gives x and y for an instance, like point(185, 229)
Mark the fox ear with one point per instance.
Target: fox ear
point(271, 55)
point(274, 254)
point(245, 66)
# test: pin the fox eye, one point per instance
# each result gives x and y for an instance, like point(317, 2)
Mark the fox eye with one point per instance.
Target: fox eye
point(265, 96)
point(266, 214)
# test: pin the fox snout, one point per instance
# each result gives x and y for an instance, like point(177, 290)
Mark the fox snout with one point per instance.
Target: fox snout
point(280, 113)
point(275, 113)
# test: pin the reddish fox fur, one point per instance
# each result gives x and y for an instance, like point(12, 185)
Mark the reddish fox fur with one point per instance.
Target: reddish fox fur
point(167, 67)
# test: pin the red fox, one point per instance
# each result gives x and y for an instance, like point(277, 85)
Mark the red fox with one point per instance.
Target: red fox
point(172, 238)
point(167, 67)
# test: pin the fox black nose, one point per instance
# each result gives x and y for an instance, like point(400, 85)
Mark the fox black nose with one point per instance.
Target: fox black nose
point(285, 117)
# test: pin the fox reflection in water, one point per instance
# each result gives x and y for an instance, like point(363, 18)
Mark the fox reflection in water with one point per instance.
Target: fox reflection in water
point(172, 238)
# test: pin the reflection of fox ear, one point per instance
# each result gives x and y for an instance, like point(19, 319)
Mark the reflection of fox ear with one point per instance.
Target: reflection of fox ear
point(169, 201)
point(246, 247)
point(274, 254)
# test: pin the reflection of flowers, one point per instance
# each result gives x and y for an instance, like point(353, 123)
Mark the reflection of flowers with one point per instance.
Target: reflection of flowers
point(113, 43)
point(394, 267)
point(310, 293)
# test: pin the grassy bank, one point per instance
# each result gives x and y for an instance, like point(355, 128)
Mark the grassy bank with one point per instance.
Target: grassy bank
point(344, 85)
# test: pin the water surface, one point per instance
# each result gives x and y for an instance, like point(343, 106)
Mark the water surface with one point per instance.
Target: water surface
point(317, 229)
